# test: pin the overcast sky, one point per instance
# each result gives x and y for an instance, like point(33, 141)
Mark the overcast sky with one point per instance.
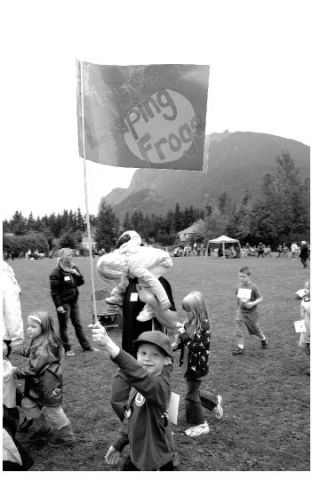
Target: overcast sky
point(263, 79)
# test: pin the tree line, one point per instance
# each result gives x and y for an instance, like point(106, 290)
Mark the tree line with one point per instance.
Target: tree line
point(279, 213)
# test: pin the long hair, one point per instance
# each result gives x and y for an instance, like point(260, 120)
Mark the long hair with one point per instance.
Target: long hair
point(48, 331)
point(195, 302)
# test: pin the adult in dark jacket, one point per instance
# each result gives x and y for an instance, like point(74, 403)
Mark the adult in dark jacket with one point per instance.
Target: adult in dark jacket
point(304, 253)
point(64, 282)
point(134, 299)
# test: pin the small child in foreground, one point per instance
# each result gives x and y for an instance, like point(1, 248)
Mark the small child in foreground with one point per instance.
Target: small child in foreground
point(195, 335)
point(42, 401)
point(146, 419)
point(247, 316)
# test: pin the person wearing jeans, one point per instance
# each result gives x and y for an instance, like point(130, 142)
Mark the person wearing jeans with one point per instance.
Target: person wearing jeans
point(64, 282)
point(195, 336)
point(195, 399)
point(71, 312)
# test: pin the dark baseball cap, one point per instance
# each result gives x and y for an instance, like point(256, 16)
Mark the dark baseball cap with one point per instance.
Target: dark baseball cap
point(155, 338)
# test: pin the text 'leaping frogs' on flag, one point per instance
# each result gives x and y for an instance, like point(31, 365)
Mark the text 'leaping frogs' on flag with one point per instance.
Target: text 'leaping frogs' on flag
point(143, 116)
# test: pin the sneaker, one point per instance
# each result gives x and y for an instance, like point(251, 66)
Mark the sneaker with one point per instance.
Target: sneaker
point(218, 410)
point(264, 343)
point(70, 353)
point(60, 442)
point(238, 351)
point(145, 315)
point(25, 424)
point(198, 430)
point(91, 349)
point(115, 300)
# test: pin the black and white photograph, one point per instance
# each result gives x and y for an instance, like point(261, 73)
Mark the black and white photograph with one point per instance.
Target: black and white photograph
point(157, 251)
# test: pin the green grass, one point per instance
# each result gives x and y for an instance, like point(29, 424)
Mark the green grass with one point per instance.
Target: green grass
point(266, 392)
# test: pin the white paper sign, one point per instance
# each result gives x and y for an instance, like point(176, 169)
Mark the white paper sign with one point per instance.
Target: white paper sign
point(134, 297)
point(300, 326)
point(244, 293)
point(173, 408)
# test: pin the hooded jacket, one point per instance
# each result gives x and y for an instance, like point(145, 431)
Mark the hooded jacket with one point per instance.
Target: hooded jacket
point(64, 285)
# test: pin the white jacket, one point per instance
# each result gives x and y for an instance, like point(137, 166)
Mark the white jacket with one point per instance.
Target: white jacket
point(11, 308)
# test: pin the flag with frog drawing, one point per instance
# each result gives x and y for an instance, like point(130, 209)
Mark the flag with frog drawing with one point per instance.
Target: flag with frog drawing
point(143, 116)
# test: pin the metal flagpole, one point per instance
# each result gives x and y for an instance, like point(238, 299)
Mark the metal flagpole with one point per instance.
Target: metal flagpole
point(86, 200)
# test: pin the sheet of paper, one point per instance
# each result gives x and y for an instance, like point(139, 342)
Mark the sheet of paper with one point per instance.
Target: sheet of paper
point(244, 293)
point(300, 326)
point(174, 408)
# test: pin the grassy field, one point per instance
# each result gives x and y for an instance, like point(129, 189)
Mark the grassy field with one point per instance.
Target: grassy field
point(266, 392)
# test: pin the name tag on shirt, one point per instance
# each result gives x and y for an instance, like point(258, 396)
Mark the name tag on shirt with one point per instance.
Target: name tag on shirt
point(244, 293)
point(67, 278)
point(134, 297)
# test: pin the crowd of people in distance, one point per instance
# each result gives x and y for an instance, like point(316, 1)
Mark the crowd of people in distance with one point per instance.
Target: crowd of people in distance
point(141, 393)
point(230, 251)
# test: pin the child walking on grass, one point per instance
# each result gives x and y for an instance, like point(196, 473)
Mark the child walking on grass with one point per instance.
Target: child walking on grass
point(42, 400)
point(145, 427)
point(247, 316)
point(304, 340)
point(195, 335)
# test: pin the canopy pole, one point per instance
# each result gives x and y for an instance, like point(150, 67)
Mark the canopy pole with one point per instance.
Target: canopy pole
point(95, 315)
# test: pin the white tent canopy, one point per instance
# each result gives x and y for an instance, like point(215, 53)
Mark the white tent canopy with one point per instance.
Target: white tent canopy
point(223, 240)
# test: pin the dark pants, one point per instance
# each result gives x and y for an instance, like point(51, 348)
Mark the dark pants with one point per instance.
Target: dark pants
point(304, 261)
point(72, 313)
point(195, 399)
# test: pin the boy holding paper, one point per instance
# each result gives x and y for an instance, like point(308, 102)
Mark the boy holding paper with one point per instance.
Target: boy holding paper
point(247, 317)
point(146, 417)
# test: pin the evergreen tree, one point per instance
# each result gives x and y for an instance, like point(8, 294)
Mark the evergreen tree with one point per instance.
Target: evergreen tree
point(126, 225)
point(137, 222)
point(171, 223)
point(68, 240)
point(18, 224)
point(178, 219)
point(6, 226)
point(225, 203)
point(80, 221)
point(30, 223)
point(283, 208)
point(215, 223)
point(240, 221)
point(107, 227)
